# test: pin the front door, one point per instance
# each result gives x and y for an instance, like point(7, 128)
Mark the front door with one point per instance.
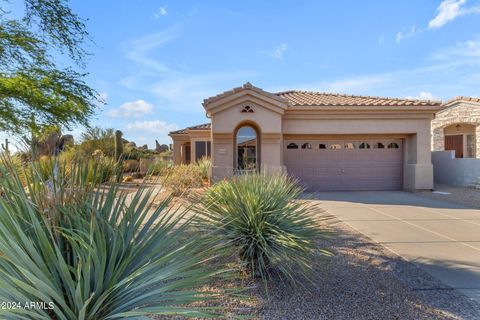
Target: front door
point(455, 143)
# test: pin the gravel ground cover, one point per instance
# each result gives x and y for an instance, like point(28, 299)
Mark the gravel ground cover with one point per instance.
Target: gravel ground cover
point(468, 197)
point(362, 280)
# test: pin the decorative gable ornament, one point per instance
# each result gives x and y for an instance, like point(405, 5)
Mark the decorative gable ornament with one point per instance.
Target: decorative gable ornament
point(247, 109)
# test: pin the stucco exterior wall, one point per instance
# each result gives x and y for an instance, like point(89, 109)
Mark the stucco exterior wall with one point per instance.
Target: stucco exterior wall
point(276, 120)
point(268, 123)
point(459, 113)
point(455, 172)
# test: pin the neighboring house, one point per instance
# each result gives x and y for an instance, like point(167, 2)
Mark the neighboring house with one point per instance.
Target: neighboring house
point(457, 128)
point(328, 141)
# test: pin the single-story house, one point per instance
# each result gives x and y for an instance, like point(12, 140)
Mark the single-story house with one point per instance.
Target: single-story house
point(329, 141)
point(457, 127)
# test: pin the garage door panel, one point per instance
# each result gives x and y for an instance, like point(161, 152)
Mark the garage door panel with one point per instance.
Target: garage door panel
point(346, 167)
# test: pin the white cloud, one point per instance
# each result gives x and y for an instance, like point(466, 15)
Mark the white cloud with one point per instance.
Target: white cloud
point(135, 109)
point(279, 52)
point(405, 34)
point(162, 11)
point(157, 127)
point(423, 95)
point(449, 10)
point(462, 51)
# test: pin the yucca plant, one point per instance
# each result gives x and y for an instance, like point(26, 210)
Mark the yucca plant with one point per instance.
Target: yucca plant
point(261, 217)
point(81, 251)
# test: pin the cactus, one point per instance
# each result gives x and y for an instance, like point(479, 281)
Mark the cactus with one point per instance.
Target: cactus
point(5, 145)
point(118, 145)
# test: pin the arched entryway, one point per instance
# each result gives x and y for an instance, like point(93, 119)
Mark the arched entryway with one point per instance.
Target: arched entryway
point(461, 138)
point(247, 148)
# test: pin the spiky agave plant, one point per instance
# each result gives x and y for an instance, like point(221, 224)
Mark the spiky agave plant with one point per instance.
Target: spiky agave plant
point(80, 251)
point(261, 217)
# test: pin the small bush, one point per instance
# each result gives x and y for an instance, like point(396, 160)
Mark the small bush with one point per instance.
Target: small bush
point(160, 167)
point(130, 165)
point(182, 178)
point(260, 217)
point(205, 164)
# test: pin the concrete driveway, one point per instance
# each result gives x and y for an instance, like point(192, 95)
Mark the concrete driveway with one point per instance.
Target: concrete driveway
point(441, 238)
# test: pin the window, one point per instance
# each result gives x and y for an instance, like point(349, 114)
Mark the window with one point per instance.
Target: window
point(322, 146)
point(306, 145)
point(379, 145)
point(247, 109)
point(292, 146)
point(364, 145)
point(349, 145)
point(202, 149)
point(393, 145)
point(335, 146)
point(246, 148)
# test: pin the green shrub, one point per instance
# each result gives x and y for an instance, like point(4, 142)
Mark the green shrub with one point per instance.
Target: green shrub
point(160, 167)
point(182, 178)
point(261, 218)
point(205, 164)
point(94, 255)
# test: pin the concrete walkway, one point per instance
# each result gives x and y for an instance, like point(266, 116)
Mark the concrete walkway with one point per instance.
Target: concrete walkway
point(441, 238)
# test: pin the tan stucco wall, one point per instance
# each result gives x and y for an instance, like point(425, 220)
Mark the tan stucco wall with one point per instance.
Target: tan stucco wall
point(227, 121)
point(458, 113)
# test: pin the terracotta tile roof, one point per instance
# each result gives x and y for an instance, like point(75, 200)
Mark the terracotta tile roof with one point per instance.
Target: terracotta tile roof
point(308, 98)
point(247, 85)
point(204, 126)
point(464, 99)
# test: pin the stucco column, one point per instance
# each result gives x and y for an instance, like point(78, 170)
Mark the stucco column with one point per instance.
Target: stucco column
point(178, 142)
point(177, 153)
point(418, 169)
point(272, 155)
point(477, 136)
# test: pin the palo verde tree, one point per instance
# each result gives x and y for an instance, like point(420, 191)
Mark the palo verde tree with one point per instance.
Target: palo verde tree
point(35, 90)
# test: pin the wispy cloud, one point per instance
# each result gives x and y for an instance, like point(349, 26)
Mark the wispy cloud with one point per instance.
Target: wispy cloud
point(423, 95)
point(140, 49)
point(407, 33)
point(279, 51)
point(181, 88)
point(157, 127)
point(449, 10)
point(162, 11)
point(134, 109)
point(461, 51)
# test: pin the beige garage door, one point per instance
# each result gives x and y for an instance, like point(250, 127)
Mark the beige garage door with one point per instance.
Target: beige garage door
point(343, 165)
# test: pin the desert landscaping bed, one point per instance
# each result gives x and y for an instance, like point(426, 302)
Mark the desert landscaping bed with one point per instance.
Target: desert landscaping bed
point(362, 280)
point(463, 196)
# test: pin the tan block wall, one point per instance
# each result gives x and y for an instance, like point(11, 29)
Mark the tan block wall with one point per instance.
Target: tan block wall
point(459, 113)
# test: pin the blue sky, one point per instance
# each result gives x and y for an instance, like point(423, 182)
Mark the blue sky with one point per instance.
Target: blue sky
point(155, 61)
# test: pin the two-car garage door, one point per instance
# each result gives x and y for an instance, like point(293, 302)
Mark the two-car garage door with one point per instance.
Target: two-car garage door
point(342, 165)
